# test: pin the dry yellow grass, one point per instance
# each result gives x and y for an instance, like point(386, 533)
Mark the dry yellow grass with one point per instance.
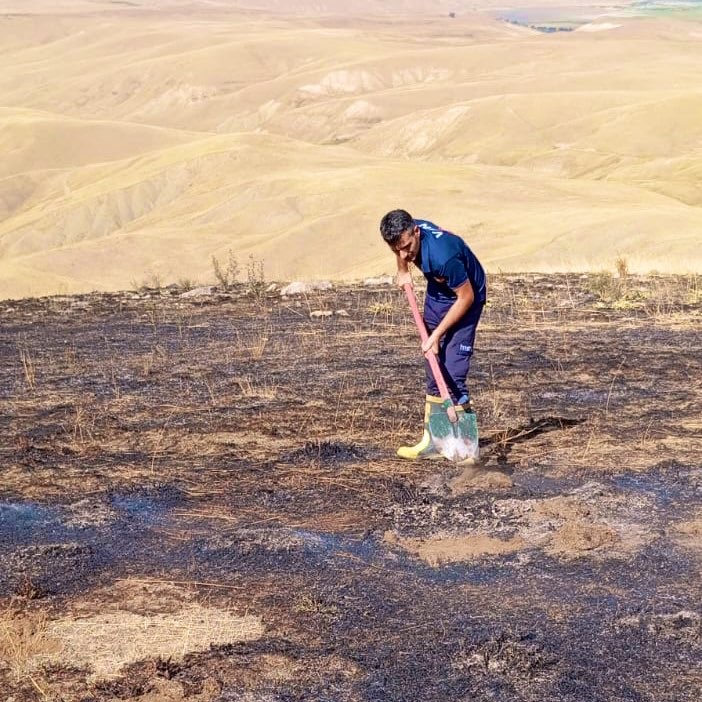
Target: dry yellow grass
point(144, 142)
point(105, 643)
point(22, 639)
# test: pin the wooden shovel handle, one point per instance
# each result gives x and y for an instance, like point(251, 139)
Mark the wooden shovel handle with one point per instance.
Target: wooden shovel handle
point(430, 355)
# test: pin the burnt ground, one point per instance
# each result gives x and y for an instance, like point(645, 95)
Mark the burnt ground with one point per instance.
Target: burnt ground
point(235, 452)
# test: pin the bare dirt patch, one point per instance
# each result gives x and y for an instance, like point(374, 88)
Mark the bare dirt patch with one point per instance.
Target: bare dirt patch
point(441, 549)
point(689, 533)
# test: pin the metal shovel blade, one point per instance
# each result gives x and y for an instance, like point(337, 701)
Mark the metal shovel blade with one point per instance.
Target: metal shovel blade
point(457, 441)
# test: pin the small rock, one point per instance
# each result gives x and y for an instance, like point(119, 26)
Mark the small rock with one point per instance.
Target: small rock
point(296, 288)
point(272, 287)
point(341, 313)
point(299, 288)
point(202, 291)
point(376, 282)
point(321, 313)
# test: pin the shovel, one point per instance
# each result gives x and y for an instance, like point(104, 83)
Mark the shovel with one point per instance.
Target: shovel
point(454, 433)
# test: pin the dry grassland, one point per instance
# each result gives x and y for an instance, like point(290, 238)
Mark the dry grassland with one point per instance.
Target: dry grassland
point(141, 138)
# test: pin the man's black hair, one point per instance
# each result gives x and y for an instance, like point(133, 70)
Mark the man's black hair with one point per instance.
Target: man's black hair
point(393, 224)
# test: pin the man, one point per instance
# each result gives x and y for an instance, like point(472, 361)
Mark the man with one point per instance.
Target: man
point(456, 294)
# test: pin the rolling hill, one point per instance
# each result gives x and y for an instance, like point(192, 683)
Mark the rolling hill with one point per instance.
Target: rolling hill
point(141, 139)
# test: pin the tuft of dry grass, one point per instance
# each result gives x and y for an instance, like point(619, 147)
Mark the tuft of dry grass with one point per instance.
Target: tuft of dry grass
point(24, 637)
point(250, 388)
point(622, 267)
point(28, 368)
point(80, 427)
point(251, 345)
point(226, 273)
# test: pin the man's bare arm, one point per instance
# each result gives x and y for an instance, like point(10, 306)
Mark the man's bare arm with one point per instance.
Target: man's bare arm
point(464, 299)
point(403, 272)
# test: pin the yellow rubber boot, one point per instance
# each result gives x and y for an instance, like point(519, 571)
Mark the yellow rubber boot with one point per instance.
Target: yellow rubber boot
point(425, 448)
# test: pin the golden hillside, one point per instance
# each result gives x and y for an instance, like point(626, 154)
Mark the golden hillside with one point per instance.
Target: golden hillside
point(141, 138)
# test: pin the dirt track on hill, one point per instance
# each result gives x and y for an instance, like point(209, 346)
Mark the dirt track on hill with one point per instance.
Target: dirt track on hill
point(200, 499)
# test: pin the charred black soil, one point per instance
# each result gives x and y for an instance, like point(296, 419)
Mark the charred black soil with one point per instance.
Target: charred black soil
point(200, 499)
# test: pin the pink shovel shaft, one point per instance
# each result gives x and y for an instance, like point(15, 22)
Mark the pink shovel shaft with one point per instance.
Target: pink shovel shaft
point(429, 355)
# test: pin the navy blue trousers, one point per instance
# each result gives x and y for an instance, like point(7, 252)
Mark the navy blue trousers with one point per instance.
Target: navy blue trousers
point(455, 349)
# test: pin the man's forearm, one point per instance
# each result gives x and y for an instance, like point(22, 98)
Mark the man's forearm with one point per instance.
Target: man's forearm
point(402, 266)
point(403, 273)
point(464, 300)
point(456, 311)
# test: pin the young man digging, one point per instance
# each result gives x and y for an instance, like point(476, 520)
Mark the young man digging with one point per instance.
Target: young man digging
point(456, 294)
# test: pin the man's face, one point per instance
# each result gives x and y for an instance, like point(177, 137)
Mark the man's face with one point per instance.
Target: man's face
point(407, 246)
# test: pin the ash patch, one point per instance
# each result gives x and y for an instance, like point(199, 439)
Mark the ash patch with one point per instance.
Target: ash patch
point(26, 520)
point(49, 568)
point(683, 627)
point(437, 515)
point(253, 552)
point(327, 452)
point(235, 696)
point(284, 547)
point(145, 505)
point(508, 657)
point(89, 513)
point(250, 541)
point(670, 484)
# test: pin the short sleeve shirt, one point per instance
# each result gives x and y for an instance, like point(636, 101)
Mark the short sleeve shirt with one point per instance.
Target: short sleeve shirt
point(447, 263)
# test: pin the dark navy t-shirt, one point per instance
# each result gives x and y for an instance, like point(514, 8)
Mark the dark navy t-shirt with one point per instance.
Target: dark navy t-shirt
point(447, 263)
